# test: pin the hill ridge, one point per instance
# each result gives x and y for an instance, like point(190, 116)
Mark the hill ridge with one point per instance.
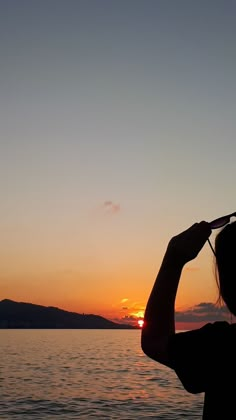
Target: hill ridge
point(29, 315)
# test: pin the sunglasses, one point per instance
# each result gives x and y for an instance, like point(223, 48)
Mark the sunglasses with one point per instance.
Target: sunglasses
point(218, 223)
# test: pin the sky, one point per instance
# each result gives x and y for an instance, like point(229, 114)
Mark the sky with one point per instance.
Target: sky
point(117, 128)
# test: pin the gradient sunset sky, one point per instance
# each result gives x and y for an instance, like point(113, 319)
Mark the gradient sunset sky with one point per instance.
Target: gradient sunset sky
point(117, 130)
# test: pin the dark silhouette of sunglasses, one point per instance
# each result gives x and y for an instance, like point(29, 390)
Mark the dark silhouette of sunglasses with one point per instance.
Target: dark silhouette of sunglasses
point(221, 221)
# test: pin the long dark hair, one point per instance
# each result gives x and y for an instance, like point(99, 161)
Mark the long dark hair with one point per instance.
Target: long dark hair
point(225, 251)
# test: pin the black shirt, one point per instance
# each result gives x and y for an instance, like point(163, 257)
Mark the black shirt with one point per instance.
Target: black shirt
point(205, 361)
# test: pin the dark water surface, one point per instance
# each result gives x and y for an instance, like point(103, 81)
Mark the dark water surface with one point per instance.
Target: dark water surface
point(87, 374)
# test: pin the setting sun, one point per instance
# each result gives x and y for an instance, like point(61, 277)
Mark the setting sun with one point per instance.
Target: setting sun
point(140, 323)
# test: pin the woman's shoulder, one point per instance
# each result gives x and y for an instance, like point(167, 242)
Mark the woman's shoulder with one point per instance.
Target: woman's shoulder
point(218, 333)
point(208, 333)
point(220, 326)
point(219, 330)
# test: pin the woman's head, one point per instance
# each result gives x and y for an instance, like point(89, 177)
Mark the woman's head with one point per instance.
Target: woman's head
point(225, 251)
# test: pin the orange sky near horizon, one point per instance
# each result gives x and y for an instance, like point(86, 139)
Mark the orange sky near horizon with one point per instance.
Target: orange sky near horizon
point(119, 291)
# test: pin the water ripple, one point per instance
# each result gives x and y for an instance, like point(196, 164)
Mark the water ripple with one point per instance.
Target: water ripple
point(87, 374)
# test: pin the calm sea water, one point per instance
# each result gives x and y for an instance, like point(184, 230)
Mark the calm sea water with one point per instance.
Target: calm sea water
point(87, 374)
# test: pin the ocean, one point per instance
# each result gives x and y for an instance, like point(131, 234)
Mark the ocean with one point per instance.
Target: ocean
point(87, 374)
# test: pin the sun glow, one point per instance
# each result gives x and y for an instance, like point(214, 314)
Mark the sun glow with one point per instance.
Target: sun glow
point(140, 323)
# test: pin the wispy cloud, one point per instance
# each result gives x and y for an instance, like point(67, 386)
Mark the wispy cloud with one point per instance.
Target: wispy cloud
point(197, 315)
point(129, 311)
point(124, 300)
point(203, 312)
point(127, 319)
point(110, 207)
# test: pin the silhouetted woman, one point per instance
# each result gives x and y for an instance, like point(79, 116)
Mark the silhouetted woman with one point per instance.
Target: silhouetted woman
point(204, 359)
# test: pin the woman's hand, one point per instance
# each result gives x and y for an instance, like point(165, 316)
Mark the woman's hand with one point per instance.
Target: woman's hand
point(186, 246)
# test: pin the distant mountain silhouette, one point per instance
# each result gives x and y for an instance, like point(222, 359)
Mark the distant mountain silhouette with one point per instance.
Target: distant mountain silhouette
point(27, 315)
